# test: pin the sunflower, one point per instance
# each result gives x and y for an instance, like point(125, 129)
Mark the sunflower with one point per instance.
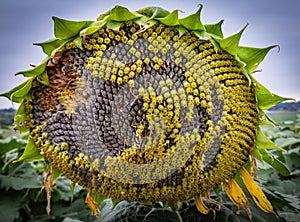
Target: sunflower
point(147, 106)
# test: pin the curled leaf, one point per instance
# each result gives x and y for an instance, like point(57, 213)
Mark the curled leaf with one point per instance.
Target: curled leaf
point(38, 70)
point(171, 19)
point(253, 56)
point(65, 29)
point(31, 152)
point(49, 45)
point(193, 22)
point(114, 25)
point(215, 29)
point(121, 14)
point(94, 27)
point(154, 12)
point(19, 93)
point(264, 142)
point(265, 98)
point(231, 43)
point(274, 162)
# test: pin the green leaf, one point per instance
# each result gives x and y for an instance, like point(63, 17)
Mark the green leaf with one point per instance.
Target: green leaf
point(49, 45)
point(20, 118)
point(10, 203)
point(10, 143)
point(144, 22)
point(263, 142)
point(171, 19)
point(10, 92)
point(56, 174)
point(239, 178)
point(19, 93)
point(203, 35)
point(290, 216)
point(265, 119)
point(63, 188)
point(98, 197)
point(181, 30)
point(121, 14)
point(94, 27)
point(253, 56)
point(114, 25)
point(31, 153)
point(105, 207)
point(166, 215)
point(231, 43)
point(287, 187)
point(72, 189)
point(38, 70)
point(103, 16)
point(75, 210)
point(78, 42)
point(257, 155)
point(215, 29)
point(68, 219)
point(43, 78)
point(154, 12)
point(287, 142)
point(125, 211)
point(171, 205)
point(21, 176)
point(292, 159)
point(60, 48)
point(89, 31)
point(275, 163)
point(193, 22)
point(65, 29)
point(265, 98)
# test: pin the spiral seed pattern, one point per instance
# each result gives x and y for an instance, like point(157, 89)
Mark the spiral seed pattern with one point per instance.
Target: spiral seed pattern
point(146, 115)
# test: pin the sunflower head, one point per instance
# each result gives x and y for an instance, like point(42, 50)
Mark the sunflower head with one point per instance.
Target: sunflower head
point(147, 106)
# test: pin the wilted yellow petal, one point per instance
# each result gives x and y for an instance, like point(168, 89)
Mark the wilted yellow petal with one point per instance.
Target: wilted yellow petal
point(202, 207)
point(236, 194)
point(257, 194)
point(93, 205)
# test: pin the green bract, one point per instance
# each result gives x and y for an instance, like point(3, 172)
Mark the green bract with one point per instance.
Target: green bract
point(147, 106)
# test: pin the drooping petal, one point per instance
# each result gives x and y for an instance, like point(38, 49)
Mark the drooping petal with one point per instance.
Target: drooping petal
point(235, 193)
point(93, 205)
point(201, 206)
point(255, 191)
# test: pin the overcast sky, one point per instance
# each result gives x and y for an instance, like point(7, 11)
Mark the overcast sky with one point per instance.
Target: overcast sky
point(270, 22)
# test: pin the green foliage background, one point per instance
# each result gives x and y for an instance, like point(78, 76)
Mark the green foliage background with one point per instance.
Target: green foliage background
point(23, 196)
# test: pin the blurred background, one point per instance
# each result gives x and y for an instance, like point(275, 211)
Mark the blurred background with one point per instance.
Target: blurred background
point(23, 23)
